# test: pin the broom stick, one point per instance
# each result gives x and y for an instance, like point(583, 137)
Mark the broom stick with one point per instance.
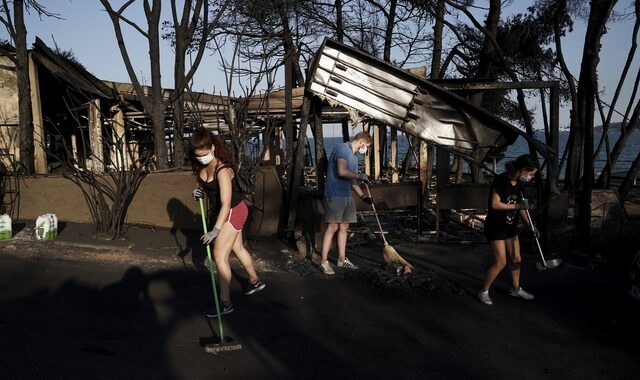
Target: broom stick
point(391, 256)
point(213, 279)
point(222, 346)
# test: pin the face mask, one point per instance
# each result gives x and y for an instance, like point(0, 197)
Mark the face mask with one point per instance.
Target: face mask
point(206, 159)
point(362, 150)
point(525, 179)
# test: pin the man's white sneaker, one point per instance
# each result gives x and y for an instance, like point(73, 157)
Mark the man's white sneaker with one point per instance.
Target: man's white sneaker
point(484, 298)
point(346, 263)
point(325, 267)
point(521, 293)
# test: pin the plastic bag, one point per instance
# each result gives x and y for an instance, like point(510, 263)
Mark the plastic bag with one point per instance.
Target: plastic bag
point(47, 227)
point(6, 232)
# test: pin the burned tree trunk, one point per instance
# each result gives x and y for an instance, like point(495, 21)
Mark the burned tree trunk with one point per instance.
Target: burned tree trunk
point(154, 105)
point(158, 105)
point(25, 117)
point(296, 179)
point(318, 138)
point(195, 15)
point(487, 57)
point(627, 126)
point(587, 87)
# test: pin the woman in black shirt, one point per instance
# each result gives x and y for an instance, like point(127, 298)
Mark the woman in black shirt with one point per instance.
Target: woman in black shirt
point(213, 169)
point(506, 205)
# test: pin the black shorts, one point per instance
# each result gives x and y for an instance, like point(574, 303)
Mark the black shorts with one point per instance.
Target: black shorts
point(500, 232)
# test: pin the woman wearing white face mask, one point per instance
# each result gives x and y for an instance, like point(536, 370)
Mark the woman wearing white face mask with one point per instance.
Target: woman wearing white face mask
point(505, 207)
point(213, 169)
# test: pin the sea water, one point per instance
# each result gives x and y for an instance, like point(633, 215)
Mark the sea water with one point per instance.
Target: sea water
point(520, 147)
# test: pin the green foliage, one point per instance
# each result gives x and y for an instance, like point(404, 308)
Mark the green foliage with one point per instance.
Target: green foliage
point(501, 104)
point(524, 41)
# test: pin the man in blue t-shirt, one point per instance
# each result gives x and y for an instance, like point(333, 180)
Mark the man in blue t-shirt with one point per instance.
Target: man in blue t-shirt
point(340, 209)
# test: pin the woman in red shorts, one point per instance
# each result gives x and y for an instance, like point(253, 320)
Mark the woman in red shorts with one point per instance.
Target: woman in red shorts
point(213, 169)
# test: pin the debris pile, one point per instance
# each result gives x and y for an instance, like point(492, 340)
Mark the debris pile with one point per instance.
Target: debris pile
point(290, 261)
point(387, 279)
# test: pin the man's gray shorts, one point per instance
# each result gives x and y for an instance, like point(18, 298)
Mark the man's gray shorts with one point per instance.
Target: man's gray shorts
point(340, 210)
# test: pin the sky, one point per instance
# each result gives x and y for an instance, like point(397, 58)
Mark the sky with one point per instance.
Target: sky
point(86, 30)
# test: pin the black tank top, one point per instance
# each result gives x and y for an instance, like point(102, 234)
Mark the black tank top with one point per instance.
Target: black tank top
point(503, 220)
point(212, 189)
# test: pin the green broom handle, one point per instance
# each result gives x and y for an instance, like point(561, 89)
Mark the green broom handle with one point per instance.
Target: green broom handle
point(213, 280)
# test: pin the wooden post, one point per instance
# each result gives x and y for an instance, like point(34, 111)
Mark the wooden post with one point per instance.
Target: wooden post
point(424, 164)
point(367, 156)
point(394, 155)
point(377, 148)
point(288, 123)
point(552, 166)
point(277, 141)
point(297, 180)
point(95, 136)
point(442, 166)
point(382, 132)
point(74, 150)
point(432, 149)
point(119, 154)
point(39, 153)
point(267, 148)
point(345, 131)
point(318, 139)
point(442, 180)
point(132, 151)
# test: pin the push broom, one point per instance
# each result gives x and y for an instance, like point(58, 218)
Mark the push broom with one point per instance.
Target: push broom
point(389, 253)
point(222, 346)
point(544, 263)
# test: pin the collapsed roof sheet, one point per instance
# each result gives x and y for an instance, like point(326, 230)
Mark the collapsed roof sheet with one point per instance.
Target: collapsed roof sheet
point(394, 97)
point(70, 72)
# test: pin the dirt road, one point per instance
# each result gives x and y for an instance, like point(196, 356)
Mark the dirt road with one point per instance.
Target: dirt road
point(61, 319)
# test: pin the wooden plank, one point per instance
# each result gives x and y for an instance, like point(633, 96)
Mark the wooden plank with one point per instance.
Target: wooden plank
point(394, 155)
point(39, 154)
point(377, 148)
point(95, 136)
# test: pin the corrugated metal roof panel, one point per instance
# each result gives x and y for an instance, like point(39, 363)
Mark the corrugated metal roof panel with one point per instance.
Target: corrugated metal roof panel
point(394, 97)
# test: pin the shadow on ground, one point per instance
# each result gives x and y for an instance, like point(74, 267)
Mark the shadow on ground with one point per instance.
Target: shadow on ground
point(305, 325)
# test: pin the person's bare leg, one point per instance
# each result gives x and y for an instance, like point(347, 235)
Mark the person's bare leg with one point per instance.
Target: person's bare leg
point(342, 240)
point(513, 250)
point(244, 257)
point(500, 260)
point(221, 250)
point(327, 239)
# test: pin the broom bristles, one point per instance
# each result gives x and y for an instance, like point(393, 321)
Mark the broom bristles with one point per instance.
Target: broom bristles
point(392, 257)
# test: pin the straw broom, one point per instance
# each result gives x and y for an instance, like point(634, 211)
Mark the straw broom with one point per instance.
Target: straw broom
point(389, 253)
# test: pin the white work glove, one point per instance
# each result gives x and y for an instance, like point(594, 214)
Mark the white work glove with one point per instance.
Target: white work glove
point(210, 236)
point(197, 193)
